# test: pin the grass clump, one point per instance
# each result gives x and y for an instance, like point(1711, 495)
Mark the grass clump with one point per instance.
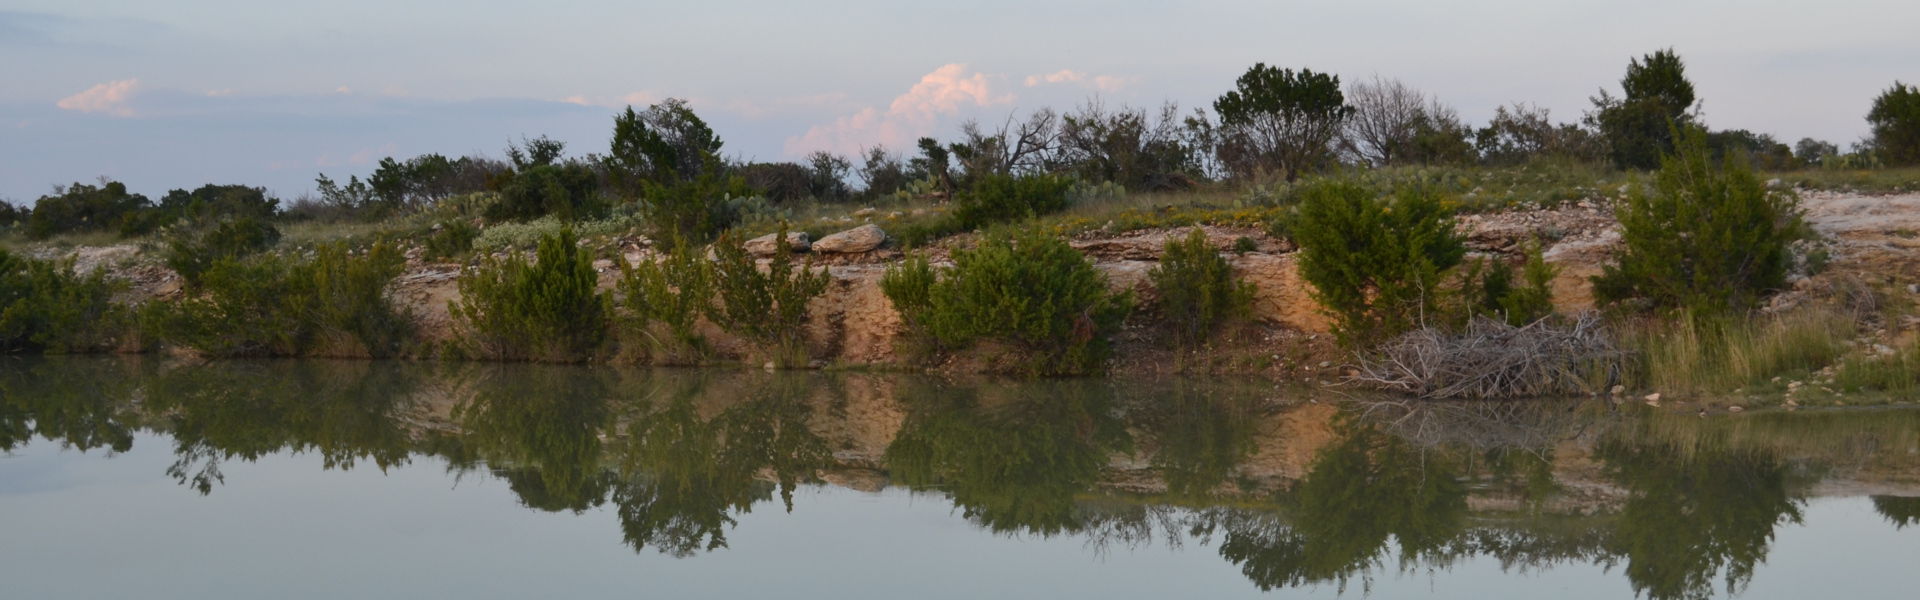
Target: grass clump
point(1027, 289)
point(547, 310)
point(332, 303)
point(47, 307)
point(767, 307)
point(1198, 290)
point(1709, 353)
point(672, 291)
point(1375, 266)
point(451, 239)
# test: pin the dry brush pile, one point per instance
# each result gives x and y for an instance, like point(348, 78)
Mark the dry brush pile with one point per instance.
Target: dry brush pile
point(1492, 359)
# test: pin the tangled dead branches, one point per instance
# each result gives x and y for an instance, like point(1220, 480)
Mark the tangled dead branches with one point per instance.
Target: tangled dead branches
point(1492, 359)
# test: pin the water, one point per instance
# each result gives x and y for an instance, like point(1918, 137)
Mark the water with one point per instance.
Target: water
point(146, 478)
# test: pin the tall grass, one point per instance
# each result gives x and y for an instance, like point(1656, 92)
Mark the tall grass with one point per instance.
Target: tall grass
point(1703, 355)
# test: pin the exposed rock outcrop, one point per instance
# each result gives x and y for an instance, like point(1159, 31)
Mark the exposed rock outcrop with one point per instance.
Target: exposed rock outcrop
point(852, 241)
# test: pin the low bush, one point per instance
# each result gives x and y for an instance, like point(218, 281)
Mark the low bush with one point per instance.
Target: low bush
point(331, 303)
point(1375, 266)
point(195, 247)
point(45, 306)
point(549, 310)
point(451, 239)
point(673, 291)
point(1004, 198)
point(508, 236)
point(1028, 289)
point(693, 210)
point(771, 307)
point(1198, 290)
point(1707, 237)
point(82, 207)
point(1489, 289)
point(208, 202)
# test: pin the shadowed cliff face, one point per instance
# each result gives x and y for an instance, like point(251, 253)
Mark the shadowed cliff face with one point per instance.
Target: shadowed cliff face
point(1293, 489)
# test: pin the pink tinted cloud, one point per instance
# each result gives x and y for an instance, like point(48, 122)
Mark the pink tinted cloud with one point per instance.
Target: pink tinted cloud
point(111, 98)
point(945, 91)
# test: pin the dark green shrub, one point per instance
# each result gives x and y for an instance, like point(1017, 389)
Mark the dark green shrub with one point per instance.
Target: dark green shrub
point(569, 191)
point(333, 303)
point(194, 247)
point(1376, 267)
point(550, 310)
point(1279, 121)
point(82, 207)
point(1028, 289)
point(692, 211)
point(1638, 126)
point(47, 307)
point(1895, 118)
point(672, 290)
point(1198, 290)
point(919, 234)
point(1709, 237)
point(769, 308)
point(451, 239)
point(208, 202)
point(1005, 198)
point(1489, 289)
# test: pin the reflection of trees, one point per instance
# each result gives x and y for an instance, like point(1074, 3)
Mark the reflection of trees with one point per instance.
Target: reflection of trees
point(1693, 515)
point(81, 403)
point(539, 429)
point(1901, 510)
point(1361, 490)
point(1200, 438)
point(684, 476)
point(344, 411)
point(1012, 457)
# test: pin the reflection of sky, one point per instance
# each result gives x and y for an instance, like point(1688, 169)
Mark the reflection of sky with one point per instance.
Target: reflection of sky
point(172, 94)
point(285, 528)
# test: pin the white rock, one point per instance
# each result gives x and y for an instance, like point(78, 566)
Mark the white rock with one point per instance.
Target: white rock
point(763, 245)
point(852, 241)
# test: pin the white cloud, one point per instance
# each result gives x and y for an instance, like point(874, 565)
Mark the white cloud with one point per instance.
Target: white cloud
point(1104, 83)
point(945, 91)
point(111, 98)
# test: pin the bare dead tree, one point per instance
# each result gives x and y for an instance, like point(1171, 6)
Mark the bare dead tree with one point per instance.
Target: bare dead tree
point(1385, 119)
point(1129, 146)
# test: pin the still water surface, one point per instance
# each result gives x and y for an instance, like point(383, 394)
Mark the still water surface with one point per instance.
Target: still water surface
point(293, 479)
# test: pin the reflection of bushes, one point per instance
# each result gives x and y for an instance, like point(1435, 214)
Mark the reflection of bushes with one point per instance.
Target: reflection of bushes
point(1200, 439)
point(1014, 467)
point(1360, 491)
point(1901, 510)
point(1695, 515)
point(539, 429)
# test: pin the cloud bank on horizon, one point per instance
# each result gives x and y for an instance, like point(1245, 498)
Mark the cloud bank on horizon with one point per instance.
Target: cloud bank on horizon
point(183, 93)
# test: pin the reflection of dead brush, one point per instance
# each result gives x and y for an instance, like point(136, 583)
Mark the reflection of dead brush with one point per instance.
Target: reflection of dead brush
point(1494, 360)
point(1535, 426)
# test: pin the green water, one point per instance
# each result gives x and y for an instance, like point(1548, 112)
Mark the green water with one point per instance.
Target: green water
point(149, 478)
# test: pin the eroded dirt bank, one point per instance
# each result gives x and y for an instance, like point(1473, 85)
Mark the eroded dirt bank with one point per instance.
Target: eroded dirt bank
point(1870, 239)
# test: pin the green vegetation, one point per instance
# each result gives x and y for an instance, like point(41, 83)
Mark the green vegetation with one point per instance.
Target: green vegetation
point(1197, 289)
point(332, 303)
point(1028, 289)
point(1490, 289)
point(1714, 353)
point(1895, 118)
point(549, 310)
point(1376, 265)
point(45, 306)
point(1279, 122)
point(82, 207)
point(1708, 237)
point(1639, 126)
point(194, 247)
point(769, 308)
point(673, 291)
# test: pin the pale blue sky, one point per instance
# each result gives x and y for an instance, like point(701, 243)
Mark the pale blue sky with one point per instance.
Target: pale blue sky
point(263, 92)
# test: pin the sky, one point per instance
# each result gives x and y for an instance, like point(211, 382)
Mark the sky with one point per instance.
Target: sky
point(272, 93)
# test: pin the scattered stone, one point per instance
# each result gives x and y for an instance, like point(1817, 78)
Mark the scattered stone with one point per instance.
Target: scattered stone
point(1325, 364)
point(1653, 399)
point(852, 241)
point(863, 212)
point(763, 245)
point(1735, 409)
point(1618, 389)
